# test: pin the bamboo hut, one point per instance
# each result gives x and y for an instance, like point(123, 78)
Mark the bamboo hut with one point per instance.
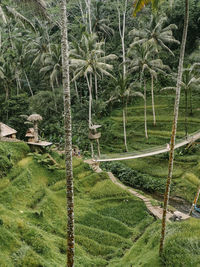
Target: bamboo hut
point(6, 131)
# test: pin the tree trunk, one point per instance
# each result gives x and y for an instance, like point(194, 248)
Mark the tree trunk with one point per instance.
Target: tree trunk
point(153, 106)
point(174, 126)
point(186, 112)
point(122, 35)
point(145, 109)
point(191, 111)
point(28, 82)
point(96, 86)
point(68, 136)
point(124, 125)
point(89, 83)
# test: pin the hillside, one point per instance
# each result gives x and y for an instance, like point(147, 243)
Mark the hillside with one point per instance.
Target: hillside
point(113, 228)
point(186, 176)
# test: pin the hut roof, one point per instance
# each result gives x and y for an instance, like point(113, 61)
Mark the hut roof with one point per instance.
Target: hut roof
point(6, 130)
point(30, 132)
point(94, 127)
point(34, 117)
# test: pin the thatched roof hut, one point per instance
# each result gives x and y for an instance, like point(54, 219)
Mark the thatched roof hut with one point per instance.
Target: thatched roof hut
point(30, 132)
point(34, 117)
point(6, 131)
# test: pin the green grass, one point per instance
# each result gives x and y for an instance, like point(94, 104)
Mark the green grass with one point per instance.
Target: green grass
point(186, 161)
point(112, 227)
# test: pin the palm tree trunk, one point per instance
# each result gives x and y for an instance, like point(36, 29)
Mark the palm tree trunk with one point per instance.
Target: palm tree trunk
point(96, 86)
point(28, 82)
point(124, 125)
point(76, 89)
point(191, 111)
point(68, 136)
point(89, 83)
point(145, 109)
point(186, 112)
point(153, 106)
point(174, 126)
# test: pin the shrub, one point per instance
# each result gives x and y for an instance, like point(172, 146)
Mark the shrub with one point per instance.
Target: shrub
point(134, 178)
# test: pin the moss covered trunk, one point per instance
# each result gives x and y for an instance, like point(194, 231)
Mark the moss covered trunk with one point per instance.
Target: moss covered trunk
point(68, 137)
point(174, 126)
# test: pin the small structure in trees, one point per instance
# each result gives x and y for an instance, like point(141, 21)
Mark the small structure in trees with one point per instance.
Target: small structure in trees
point(35, 118)
point(6, 131)
point(94, 135)
point(30, 134)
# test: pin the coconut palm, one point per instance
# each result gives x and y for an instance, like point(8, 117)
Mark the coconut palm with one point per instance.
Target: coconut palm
point(138, 5)
point(174, 126)
point(68, 135)
point(100, 24)
point(141, 60)
point(88, 59)
point(189, 82)
point(124, 90)
point(155, 33)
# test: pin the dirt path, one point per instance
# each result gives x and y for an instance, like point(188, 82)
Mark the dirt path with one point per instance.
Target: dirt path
point(156, 211)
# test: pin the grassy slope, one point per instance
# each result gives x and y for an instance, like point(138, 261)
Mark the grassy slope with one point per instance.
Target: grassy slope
point(186, 167)
point(33, 221)
point(113, 228)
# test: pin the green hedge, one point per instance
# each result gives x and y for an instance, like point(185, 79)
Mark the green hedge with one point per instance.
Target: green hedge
point(134, 178)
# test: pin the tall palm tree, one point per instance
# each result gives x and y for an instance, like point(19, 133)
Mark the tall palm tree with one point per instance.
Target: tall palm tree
point(88, 59)
point(139, 4)
point(68, 135)
point(141, 60)
point(189, 82)
point(174, 126)
point(124, 90)
point(155, 33)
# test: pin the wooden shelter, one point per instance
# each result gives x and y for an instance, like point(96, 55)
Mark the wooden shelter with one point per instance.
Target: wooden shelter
point(6, 131)
point(94, 135)
point(30, 135)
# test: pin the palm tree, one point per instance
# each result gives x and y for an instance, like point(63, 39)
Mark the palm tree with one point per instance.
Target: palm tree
point(100, 24)
point(141, 60)
point(155, 33)
point(138, 5)
point(189, 82)
point(88, 59)
point(68, 135)
point(122, 93)
point(174, 126)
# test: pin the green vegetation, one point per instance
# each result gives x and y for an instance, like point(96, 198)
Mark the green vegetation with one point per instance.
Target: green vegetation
point(113, 228)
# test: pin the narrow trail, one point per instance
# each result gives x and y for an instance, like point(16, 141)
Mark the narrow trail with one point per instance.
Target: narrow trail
point(156, 211)
point(150, 152)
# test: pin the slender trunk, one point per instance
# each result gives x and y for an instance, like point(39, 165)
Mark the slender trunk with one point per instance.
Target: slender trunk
point(186, 112)
point(145, 109)
point(96, 86)
point(29, 86)
point(88, 4)
point(76, 89)
point(174, 126)
point(89, 83)
point(124, 125)
point(153, 106)
point(68, 137)
point(122, 35)
point(191, 111)
point(195, 201)
point(98, 147)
